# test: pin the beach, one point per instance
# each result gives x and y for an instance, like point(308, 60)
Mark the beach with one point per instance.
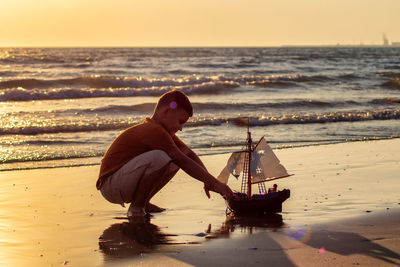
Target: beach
point(325, 96)
point(343, 211)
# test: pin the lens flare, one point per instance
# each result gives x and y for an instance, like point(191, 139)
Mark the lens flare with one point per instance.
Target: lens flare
point(299, 232)
point(173, 105)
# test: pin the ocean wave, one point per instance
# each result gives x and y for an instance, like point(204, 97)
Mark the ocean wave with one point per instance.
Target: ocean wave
point(272, 83)
point(390, 74)
point(120, 124)
point(68, 127)
point(85, 82)
point(21, 94)
point(178, 72)
point(55, 142)
point(331, 117)
point(142, 82)
point(37, 157)
point(386, 100)
point(144, 107)
point(48, 164)
point(392, 84)
point(147, 108)
point(8, 73)
point(214, 106)
point(122, 86)
point(348, 77)
point(287, 81)
point(273, 105)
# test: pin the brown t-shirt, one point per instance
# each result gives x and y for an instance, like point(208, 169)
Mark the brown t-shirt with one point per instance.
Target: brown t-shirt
point(134, 141)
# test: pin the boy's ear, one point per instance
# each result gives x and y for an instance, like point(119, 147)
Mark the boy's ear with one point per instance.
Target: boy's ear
point(164, 110)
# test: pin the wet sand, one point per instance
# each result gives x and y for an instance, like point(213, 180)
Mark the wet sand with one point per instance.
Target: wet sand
point(344, 210)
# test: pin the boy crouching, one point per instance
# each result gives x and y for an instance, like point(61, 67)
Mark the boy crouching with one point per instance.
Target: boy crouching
point(146, 156)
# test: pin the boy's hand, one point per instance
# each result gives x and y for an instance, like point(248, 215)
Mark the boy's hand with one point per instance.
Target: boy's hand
point(207, 190)
point(225, 191)
point(220, 188)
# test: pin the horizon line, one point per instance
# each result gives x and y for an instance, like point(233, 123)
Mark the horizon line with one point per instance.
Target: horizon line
point(198, 46)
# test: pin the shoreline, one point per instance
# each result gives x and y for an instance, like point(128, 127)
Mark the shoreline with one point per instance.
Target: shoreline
point(345, 198)
point(98, 158)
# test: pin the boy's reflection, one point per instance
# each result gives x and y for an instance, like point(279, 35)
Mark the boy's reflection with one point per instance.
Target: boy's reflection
point(131, 238)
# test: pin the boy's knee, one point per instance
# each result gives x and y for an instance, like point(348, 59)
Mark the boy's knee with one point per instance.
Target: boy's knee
point(158, 160)
point(161, 157)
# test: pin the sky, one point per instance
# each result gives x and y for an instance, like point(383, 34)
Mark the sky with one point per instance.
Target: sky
point(197, 22)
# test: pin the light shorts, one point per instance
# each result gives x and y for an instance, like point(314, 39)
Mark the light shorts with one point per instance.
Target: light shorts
point(121, 186)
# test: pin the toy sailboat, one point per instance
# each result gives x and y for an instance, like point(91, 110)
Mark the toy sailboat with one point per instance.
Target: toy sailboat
point(256, 164)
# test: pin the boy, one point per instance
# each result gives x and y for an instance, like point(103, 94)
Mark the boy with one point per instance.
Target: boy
point(144, 157)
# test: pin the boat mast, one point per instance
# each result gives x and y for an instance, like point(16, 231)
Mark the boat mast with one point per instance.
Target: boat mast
point(249, 150)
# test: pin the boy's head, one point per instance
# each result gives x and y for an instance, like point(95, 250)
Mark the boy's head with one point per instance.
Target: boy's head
point(172, 111)
point(175, 100)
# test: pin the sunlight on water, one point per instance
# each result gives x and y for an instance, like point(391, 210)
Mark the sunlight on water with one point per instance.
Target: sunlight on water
point(71, 103)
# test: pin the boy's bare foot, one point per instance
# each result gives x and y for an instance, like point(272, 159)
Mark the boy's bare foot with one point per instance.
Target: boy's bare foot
point(139, 220)
point(136, 212)
point(153, 208)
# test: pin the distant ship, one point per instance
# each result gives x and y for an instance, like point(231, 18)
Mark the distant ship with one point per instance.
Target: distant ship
point(386, 41)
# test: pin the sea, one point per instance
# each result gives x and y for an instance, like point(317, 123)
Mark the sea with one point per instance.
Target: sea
point(63, 107)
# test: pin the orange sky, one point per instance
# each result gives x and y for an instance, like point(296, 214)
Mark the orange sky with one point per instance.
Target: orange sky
point(197, 22)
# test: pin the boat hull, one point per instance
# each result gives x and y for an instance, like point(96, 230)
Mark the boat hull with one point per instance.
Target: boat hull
point(240, 204)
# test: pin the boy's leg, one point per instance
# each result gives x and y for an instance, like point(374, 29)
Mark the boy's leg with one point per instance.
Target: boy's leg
point(148, 186)
point(146, 174)
point(173, 169)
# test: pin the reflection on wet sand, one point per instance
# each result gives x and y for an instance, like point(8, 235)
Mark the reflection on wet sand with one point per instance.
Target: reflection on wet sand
point(129, 238)
point(248, 224)
point(133, 238)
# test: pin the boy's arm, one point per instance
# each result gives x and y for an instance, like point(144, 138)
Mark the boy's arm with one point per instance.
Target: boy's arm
point(196, 158)
point(195, 168)
point(191, 154)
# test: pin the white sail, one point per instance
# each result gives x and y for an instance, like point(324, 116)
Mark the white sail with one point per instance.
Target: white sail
point(234, 167)
point(264, 164)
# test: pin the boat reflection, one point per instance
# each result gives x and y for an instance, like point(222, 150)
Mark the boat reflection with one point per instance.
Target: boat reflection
point(245, 224)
